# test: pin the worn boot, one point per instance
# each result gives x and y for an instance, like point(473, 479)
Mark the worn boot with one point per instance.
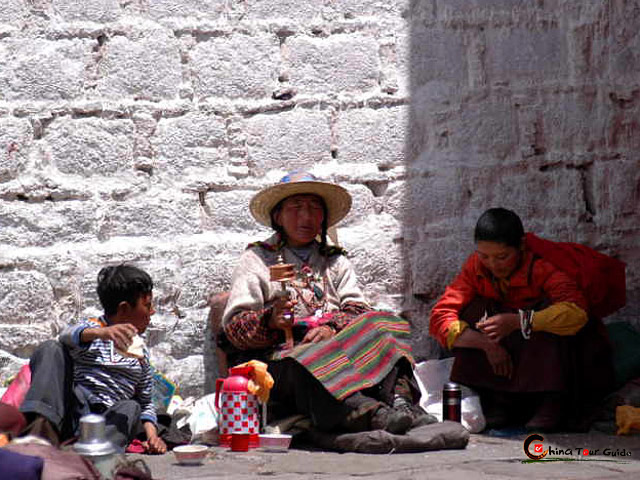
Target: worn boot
point(392, 420)
point(41, 427)
point(418, 416)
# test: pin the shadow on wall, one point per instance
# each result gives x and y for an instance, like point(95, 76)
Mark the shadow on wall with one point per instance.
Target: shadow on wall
point(528, 105)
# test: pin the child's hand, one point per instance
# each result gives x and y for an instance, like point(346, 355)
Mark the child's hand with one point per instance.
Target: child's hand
point(121, 334)
point(156, 445)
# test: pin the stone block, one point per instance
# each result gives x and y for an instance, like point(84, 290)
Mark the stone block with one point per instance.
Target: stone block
point(434, 255)
point(375, 250)
point(432, 54)
point(43, 224)
point(22, 340)
point(171, 9)
point(35, 69)
point(144, 65)
point(372, 136)
point(99, 11)
point(615, 187)
point(188, 373)
point(9, 366)
point(292, 140)
point(344, 63)
point(26, 298)
point(363, 204)
point(572, 121)
point(482, 126)
point(240, 66)
point(354, 9)
point(90, 146)
point(624, 43)
point(394, 202)
point(522, 56)
point(190, 144)
point(257, 10)
point(150, 212)
point(16, 140)
point(229, 211)
point(13, 11)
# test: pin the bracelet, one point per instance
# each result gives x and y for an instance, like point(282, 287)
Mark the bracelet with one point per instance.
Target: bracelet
point(526, 320)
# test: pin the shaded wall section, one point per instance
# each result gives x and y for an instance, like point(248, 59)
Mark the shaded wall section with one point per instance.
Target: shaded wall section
point(529, 105)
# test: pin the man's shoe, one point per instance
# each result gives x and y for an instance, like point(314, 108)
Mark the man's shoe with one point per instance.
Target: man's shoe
point(392, 420)
point(41, 427)
point(419, 417)
point(548, 416)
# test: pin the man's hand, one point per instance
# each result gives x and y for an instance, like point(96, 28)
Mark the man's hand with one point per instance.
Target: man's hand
point(318, 334)
point(154, 443)
point(499, 326)
point(120, 334)
point(499, 359)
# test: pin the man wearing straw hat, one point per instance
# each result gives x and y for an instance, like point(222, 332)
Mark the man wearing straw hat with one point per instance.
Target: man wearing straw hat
point(295, 303)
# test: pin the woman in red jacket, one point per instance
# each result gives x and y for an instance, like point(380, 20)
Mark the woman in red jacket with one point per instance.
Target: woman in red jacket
point(521, 334)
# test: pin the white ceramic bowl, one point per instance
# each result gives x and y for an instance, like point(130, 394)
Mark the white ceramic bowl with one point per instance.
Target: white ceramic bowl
point(191, 454)
point(275, 442)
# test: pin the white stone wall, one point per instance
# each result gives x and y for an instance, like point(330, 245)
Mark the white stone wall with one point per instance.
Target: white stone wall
point(138, 131)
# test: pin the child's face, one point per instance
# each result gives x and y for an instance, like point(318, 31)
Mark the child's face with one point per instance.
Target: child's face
point(140, 315)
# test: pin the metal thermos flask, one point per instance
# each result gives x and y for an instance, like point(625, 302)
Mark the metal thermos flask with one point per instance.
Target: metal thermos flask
point(452, 402)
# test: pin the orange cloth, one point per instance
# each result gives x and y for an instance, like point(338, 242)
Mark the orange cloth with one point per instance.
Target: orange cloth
point(534, 280)
point(260, 381)
point(627, 419)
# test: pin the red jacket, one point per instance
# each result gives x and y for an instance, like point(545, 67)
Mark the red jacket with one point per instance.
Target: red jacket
point(535, 280)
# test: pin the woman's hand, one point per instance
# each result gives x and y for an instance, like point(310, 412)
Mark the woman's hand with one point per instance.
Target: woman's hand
point(499, 326)
point(318, 334)
point(499, 359)
point(282, 313)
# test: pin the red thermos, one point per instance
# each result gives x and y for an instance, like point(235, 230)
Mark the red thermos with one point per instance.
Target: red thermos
point(452, 402)
point(238, 408)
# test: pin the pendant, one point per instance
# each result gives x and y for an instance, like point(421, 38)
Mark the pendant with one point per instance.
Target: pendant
point(317, 291)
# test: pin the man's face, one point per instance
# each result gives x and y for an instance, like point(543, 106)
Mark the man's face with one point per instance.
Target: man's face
point(140, 315)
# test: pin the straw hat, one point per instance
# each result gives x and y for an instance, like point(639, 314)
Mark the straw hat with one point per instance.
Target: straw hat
point(336, 198)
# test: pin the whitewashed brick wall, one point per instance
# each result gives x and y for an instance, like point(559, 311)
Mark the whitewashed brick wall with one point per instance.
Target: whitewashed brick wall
point(138, 131)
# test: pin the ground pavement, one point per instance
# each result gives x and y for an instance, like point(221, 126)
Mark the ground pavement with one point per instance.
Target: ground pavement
point(485, 457)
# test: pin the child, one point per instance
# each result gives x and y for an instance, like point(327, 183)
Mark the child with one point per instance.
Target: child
point(93, 374)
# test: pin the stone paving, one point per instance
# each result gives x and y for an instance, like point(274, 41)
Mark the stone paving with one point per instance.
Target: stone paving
point(485, 457)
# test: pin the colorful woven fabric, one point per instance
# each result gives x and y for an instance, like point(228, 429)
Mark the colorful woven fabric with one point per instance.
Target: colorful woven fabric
point(360, 356)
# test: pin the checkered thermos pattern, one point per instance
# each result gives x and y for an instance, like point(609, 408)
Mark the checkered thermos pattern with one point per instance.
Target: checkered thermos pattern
point(239, 413)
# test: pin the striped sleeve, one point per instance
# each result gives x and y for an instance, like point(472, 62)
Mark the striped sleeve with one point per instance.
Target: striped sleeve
point(144, 393)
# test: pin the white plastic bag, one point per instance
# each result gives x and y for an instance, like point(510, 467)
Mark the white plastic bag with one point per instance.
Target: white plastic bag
point(431, 377)
point(203, 420)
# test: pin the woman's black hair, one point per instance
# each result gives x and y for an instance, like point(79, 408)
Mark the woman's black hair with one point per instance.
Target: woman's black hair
point(122, 283)
point(283, 235)
point(499, 225)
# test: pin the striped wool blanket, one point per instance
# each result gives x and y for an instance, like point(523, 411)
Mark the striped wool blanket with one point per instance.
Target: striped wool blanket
point(358, 357)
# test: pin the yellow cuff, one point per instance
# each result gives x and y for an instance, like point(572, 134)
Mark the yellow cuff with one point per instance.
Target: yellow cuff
point(563, 318)
point(455, 329)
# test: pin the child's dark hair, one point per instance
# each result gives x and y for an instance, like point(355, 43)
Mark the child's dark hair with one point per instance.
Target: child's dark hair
point(122, 283)
point(499, 225)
